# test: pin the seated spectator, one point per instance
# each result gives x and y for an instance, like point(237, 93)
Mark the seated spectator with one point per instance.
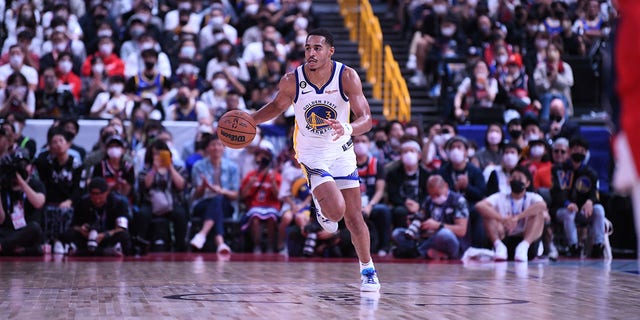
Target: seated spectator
point(514, 92)
point(372, 186)
point(406, 182)
point(295, 196)
point(18, 122)
point(135, 29)
point(516, 217)
point(174, 22)
point(93, 84)
point(394, 130)
point(72, 126)
point(225, 59)
point(592, 25)
point(438, 228)
point(114, 169)
point(187, 74)
point(553, 78)
point(136, 62)
point(466, 179)
point(254, 52)
point(60, 173)
point(19, 17)
point(25, 40)
point(160, 177)
point(575, 199)
point(52, 101)
point(63, 19)
point(99, 22)
point(560, 126)
point(112, 102)
point(67, 79)
point(61, 43)
point(538, 158)
point(217, 28)
point(514, 129)
point(187, 108)
point(112, 64)
point(149, 79)
point(475, 91)
point(491, 154)
point(23, 197)
point(100, 223)
point(17, 97)
point(215, 184)
point(497, 177)
point(259, 192)
point(439, 134)
point(17, 65)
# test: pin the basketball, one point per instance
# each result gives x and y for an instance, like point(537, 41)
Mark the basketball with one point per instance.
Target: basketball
point(236, 129)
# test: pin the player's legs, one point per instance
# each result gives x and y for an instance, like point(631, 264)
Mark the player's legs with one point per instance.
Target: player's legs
point(330, 199)
point(355, 223)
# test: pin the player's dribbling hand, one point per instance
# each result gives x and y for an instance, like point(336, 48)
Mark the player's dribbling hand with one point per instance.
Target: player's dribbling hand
point(339, 128)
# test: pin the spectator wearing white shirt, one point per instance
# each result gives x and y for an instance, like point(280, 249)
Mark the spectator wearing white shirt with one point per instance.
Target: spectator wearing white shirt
point(134, 63)
point(217, 28)
point(254, 52)
point(113, 102)
point(172, 19)
point(16, 64)
point(516, 215)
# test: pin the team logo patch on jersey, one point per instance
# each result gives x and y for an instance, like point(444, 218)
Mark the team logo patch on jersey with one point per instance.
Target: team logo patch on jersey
point(316, 112)
point(303, 84)
point(583, 184)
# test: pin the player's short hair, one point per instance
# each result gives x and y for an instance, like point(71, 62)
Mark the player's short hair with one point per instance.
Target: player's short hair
point(328, 37)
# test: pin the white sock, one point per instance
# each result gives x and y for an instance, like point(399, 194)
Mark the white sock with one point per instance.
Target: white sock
point(497, 243)
point(525, 243)
point(366, 265)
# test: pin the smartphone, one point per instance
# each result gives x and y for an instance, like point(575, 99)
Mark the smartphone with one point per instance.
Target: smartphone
point(165, 158)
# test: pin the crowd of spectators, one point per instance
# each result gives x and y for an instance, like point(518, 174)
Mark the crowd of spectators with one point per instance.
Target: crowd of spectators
point(426, 191)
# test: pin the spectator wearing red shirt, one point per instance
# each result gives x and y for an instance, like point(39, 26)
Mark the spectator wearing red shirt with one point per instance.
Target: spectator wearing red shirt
point(259, 190)
point(67, 80)
point(113, 65)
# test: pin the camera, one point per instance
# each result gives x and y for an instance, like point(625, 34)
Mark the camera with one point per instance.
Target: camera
point(11, 164)
point(413, 231)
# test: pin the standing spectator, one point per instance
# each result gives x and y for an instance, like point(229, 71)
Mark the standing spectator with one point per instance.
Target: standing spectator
point(100, 223)
point(17, 97)
point(476, 91)
point(215, 184)
point(162, 176)
point(575, 199)
point(372, 186)
point(516, 217)
point(439, 227)
point(17, 65)
point(553, 78)
point(23, 196)
point(52, 102)
point(406, 183)
point(259, 191)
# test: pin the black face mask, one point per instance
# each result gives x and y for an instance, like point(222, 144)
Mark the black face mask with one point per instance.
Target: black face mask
point(380, 143)
point(182, 100)
point(517, 186)
point(578, 157)
point(515, 133)
point(149, 65)
point(263, 162)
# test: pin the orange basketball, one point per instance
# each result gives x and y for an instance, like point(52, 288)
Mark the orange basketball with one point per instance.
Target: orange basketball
point(236, 129)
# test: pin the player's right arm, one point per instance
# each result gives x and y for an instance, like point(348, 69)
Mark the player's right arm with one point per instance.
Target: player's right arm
point(282, 101)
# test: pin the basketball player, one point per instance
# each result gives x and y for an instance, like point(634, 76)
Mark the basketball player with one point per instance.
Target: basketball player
point(626, 144)
point(324, 93)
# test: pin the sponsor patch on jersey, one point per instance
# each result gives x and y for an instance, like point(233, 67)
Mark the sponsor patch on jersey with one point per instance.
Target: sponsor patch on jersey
point(303, 84)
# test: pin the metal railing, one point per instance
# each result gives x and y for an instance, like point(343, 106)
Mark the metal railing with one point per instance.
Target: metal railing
point(382, 70)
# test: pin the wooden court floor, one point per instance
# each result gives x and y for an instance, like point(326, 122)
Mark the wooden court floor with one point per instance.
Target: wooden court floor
point(244, 286)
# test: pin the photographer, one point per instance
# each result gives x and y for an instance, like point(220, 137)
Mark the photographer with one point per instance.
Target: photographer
point(100, 223)
point(22, 198)
point(438, 230)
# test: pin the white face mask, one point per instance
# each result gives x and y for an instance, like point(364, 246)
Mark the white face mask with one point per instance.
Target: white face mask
point(471, 153)
point(114, 152)
point(361, 148)
point(61, 46)
point(502, 59)
point(510, 160)
point(410, 158)
point(65, 66)
point(456, 155)
point(188, 52)
point(117, 88)
point(304, 6)
point(252, 9)
point(532, 137)
point(440, 8)
point(105, 33)
point(541, 43)
point(440, 200)
point(494, 137)
point(16, 60)
point(217, 21)
point(98, 68)
point(537, 151)
point(106, 49)
point(448, 32)
point(219, 84)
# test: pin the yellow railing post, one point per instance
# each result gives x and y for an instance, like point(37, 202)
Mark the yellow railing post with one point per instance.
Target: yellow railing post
point(382, 70)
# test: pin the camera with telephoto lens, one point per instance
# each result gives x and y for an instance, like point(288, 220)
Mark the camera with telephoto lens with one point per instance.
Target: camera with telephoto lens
point(413, 231)
point(11, 164)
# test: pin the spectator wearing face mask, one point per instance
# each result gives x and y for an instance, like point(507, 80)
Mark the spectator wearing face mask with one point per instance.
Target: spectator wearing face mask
point(216, 29)
point(16, 97)
point(51, 102)
point(112, 102)
point(497, 177)
point(67, 79)
point(476, 91)
point(560, 126)
point(466, 179)
point(188, 74)
point(538, 158)
point(553, 78)
point(112, 65)
point(16, 65)
point(435, 154)
point(491, 154)
point(186, 108)
point(61, 43)
point(183, 16)
point(406, 182)
point(117, 172)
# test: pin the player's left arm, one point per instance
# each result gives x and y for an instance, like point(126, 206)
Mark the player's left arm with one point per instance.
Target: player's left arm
point(361, 123)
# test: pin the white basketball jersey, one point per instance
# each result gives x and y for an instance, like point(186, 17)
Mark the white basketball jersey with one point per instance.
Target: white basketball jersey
point(312, 104)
